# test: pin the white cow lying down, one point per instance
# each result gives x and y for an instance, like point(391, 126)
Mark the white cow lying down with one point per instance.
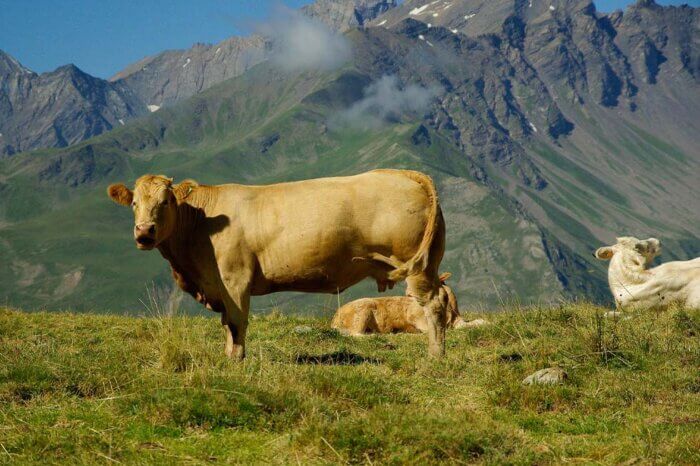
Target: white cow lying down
point(634, 285)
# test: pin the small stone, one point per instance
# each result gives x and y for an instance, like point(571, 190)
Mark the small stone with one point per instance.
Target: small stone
point(302, 329)
point(548, 376)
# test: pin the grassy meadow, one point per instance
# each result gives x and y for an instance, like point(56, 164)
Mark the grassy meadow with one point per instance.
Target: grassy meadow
point(100, 389)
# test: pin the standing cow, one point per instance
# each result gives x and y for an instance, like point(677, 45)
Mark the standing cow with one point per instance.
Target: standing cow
point(228, 242)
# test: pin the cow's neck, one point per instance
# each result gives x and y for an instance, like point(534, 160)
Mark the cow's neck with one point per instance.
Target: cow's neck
point(182, 249)
point(627, 271)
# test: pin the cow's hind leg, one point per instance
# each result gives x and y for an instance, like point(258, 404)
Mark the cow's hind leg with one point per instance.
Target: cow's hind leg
point(235, 323)
point(426, 290)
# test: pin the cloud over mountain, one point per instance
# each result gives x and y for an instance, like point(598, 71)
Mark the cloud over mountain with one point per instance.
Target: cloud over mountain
point(301, 43)
point(385, 101)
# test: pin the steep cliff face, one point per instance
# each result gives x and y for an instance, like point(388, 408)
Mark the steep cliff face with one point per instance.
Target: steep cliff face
point(651, 35)
point(59, 108)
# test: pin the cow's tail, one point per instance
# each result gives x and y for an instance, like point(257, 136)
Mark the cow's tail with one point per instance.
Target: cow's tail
point(419, 262)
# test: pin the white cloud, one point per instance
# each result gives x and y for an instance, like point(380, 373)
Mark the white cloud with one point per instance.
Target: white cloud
point(300, 43)
point(385, 101)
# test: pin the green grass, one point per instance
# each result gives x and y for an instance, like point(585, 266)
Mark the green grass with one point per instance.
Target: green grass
point(92, 389)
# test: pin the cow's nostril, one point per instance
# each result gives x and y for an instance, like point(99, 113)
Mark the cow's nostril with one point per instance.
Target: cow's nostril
point(152, 230)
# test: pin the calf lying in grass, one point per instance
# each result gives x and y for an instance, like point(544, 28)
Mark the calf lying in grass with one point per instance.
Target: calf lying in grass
point(395, 314)
point(634, 285)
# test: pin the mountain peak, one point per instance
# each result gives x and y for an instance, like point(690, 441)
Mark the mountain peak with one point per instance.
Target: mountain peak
point(646, 4)
point(341, 15)
point(70, 71)
point(67, 68)
point(10, 65)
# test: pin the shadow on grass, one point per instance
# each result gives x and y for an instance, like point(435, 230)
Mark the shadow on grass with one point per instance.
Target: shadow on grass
point(338, 358)
point(510, 357)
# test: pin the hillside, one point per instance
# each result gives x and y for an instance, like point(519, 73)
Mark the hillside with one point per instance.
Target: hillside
point(547, 137)
point(86, 389)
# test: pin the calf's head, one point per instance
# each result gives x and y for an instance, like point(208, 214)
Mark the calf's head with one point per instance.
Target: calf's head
point(453, 317)
point(154, 206)
point(631, 251)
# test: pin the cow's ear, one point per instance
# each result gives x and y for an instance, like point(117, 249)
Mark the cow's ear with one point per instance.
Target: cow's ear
point(604, 253)
point(444, 276)
point(120, 194)
point(641, 247)
point(648, 245)
point(655, 245)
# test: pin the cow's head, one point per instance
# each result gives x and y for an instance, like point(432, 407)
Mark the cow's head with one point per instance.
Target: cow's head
point(154, 206)
point(640, 252)
point(453, 317)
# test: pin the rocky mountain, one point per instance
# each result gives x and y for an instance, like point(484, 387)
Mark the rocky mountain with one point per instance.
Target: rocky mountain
point(572, 105)
point(548, 127)
point(67, 105)
point(174, 75)
point(59, 108)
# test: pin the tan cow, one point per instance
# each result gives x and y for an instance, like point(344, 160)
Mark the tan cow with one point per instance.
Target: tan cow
point(228, 242)
point(395, 314)
point(634, 285)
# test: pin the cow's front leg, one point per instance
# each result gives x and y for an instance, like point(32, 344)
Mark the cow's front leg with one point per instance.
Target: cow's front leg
point(436, 318)
point(235, 323)
point(426, 290)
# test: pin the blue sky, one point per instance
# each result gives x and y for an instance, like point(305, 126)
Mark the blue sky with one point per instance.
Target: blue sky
point(103, 36)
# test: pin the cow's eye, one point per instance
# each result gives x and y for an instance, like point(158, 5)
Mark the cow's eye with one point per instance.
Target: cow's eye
point(133, 204)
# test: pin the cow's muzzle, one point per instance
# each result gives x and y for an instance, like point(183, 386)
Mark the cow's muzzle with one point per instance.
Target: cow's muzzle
point(145, 235)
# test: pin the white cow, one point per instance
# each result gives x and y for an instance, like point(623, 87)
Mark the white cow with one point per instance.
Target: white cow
point(635, 285)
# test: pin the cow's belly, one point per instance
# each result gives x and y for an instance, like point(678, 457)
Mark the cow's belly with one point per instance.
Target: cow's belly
point(316, 274)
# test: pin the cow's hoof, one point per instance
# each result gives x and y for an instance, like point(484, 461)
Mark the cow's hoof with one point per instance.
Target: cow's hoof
point(237, 353)
point(436, 352)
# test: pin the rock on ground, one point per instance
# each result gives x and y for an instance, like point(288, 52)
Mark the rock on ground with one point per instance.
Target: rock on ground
point(548, 376)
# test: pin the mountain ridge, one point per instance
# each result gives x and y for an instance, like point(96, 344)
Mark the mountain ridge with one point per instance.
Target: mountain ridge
point(57, 108)
point(151, 83)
